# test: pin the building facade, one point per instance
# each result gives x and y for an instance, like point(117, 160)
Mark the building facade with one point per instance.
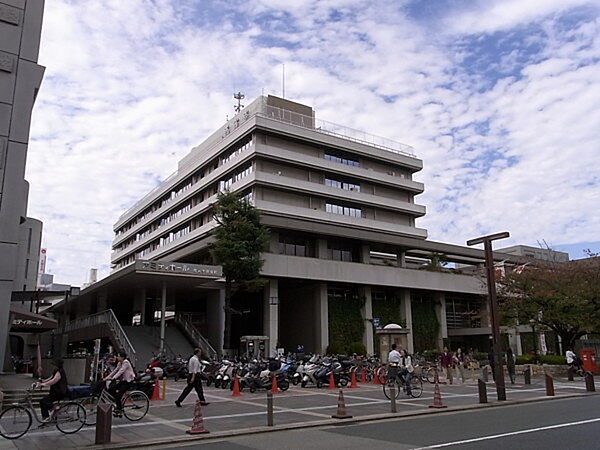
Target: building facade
point(20, 79)
point(342, 210)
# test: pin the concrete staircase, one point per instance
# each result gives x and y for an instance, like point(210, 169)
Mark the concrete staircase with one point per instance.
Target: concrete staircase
point(146, 341)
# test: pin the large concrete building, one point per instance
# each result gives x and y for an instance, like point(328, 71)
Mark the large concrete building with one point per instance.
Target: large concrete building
point(20, 79)
point(342, 212)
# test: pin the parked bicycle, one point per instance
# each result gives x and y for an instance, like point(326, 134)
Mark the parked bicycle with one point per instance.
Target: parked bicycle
point(135, 405)
point(395, 377)
point(16, 420)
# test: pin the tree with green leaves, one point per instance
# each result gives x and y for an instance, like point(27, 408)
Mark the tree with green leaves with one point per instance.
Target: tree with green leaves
point(564, 297)
point(240, 238)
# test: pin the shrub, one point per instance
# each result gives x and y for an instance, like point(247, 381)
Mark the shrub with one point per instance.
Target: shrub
point(526, 359)
point(479, 356)
point(552, 359)
point(335, 348)
point(356, 347)
point(431, 355)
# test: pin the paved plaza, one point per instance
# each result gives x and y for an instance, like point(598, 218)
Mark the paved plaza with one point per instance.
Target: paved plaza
point(295, 408)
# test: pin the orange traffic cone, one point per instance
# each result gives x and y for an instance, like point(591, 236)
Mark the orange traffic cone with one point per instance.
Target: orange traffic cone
point(331, 381)
point(236, 387)
point(363, 375)
point(274, 385)
point(437, 396)
point(198, 424)
point(353, 383)
point(156, 391)
point(341, 409)
point(376, 377)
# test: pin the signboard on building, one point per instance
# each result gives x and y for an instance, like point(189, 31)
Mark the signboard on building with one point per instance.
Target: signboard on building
point(179, 268)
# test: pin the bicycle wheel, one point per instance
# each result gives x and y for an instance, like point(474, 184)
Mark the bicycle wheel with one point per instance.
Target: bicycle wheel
point(387, 388)
point(90, 405)
point(135, 405)
point(430, 375)
point(70, 417)
point(14, 422)
point(416, 387)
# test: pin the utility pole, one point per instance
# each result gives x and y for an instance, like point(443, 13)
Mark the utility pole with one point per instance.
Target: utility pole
point(491, 285)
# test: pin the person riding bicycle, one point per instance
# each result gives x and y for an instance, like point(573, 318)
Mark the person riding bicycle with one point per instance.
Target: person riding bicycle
point(573, 361)
point(122, 377)
point(406, 369)
point(58, 389)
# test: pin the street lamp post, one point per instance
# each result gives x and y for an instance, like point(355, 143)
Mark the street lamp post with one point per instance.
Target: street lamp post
point(491, 285)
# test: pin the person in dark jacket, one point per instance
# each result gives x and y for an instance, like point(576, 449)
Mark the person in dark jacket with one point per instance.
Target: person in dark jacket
point(510, 364)
point(58, 388)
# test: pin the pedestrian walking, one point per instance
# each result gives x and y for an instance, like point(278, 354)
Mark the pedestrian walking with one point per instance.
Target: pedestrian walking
point(459, 362)
point(406, 368)
point(446, 361)
point(511, 361)
point(193, 380)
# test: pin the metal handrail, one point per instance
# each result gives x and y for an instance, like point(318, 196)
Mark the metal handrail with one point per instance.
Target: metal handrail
point(195, 335)
point(104, 317)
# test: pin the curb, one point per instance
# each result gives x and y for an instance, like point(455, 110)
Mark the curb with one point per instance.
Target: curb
point(330, 422)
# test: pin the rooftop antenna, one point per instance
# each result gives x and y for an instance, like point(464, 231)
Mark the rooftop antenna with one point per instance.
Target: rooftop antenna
point(239, 97)
point(283, 80)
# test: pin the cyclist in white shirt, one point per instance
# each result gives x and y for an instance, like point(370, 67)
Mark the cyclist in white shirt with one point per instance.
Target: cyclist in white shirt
point(394, 355)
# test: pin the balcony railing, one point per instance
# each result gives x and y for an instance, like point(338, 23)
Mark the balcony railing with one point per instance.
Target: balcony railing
point(105, 317)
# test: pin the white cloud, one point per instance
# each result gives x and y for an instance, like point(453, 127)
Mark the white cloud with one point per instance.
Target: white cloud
point(130, 87)
point(489, 16)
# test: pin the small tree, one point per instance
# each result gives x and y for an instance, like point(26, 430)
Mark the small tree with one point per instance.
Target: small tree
point(564, 297)
point(240, 238)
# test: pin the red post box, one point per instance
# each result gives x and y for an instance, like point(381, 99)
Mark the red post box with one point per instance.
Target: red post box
point(588, 357)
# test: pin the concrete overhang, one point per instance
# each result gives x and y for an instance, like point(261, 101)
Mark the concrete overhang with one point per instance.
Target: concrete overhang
point(149, 275)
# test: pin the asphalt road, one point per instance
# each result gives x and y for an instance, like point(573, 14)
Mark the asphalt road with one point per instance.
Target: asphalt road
point(558, 424)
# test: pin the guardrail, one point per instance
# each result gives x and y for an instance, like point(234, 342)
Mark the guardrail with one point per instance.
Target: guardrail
point(105, 317)
point(195, 335)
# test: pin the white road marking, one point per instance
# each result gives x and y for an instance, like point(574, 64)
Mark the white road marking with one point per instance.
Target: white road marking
point(512, 433)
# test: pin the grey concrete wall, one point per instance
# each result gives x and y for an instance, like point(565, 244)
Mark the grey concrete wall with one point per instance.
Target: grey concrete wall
point(20, 79)
point(367, 274)
point(28, 259)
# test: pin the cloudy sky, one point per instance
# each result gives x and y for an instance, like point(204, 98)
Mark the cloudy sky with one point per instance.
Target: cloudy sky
point(500, 98)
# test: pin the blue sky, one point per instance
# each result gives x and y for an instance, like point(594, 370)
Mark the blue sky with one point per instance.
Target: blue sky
point(499, 98)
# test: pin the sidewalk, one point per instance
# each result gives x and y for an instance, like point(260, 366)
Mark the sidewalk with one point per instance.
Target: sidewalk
point(296, 408)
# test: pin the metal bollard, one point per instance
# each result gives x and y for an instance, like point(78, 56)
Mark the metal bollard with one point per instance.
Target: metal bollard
point(589, 382)
point(164, 389)
point(393, 396)
point(482, 391)
point(549, 386)
point(485, 374)
point(269, 409)
point(527, 375)
point(103, 423)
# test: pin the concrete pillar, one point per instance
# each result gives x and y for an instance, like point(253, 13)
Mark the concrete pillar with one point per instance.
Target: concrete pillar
point(102, 301)
point(322, 248)
point(140, 303)
point(401, 258)
point(322, 319)
point(163, 310)
point(440, 311)
point(365, 254)
point(513, 340)
point(367, 315)
point(216, 319)
point(271, 315)
point(407, 316)
point(274, 242)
